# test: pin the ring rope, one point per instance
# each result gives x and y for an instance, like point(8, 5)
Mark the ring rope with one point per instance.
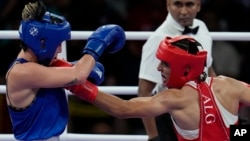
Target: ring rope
point(138, 35)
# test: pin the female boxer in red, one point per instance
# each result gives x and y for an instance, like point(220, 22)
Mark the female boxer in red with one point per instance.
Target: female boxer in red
point(201, 107)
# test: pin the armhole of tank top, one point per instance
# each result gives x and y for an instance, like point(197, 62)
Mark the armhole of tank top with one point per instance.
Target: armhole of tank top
point(6, 78)
point(17, 61)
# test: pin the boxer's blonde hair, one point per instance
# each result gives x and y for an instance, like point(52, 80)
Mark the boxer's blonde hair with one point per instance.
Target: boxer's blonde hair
point(33, 10)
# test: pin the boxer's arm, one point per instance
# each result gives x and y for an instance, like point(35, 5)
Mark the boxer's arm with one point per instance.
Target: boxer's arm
point(86, 91)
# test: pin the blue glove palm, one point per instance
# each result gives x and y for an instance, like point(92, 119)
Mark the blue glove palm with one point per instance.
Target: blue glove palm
point(96, 76)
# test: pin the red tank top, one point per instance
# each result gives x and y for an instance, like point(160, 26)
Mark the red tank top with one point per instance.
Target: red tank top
point(212, 127)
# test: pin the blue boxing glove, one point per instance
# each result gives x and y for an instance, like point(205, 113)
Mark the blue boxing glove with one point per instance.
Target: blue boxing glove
point(96, 76)
point(107, 37)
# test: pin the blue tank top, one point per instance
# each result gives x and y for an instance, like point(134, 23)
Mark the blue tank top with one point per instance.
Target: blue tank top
point(46, 117)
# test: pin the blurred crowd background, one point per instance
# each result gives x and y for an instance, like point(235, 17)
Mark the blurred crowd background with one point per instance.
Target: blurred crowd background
point(121, 69)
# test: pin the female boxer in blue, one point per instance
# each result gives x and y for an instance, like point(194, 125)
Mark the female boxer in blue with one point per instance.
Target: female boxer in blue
point(35, 96)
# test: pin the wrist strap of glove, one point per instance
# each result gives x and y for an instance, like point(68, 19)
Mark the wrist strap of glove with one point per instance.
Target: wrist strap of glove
point(86, 91)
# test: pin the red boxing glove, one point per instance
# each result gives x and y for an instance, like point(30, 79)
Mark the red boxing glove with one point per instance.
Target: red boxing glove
point(86, 91)
point(61, 63)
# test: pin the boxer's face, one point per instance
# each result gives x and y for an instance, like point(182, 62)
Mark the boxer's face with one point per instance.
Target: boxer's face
point(164, 68)
point(58, 50)
point(183, 11)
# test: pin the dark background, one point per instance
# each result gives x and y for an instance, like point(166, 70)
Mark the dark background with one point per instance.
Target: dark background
point(121, 69)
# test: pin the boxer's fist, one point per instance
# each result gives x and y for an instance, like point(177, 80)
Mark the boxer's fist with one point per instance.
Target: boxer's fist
point(107, 37)
point(86, 91)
